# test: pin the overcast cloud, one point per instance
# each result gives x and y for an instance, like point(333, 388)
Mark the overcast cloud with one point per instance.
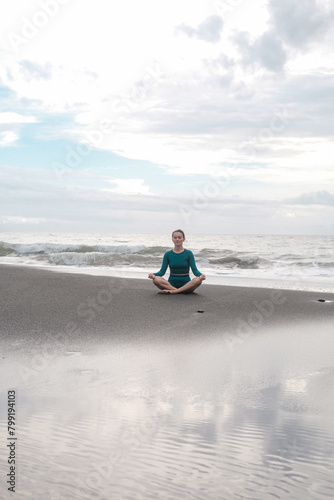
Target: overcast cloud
point(123, 116)
point(301, 23)
point(208, 30)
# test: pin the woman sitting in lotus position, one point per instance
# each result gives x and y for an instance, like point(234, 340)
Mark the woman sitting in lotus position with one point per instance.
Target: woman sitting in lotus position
point(179, 260)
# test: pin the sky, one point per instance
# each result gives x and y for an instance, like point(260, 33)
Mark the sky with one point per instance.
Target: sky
point(131, 117)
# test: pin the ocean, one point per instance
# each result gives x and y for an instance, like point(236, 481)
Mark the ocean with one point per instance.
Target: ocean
point(275, 261)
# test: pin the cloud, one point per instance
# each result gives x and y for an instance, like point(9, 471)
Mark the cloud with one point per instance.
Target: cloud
point(32, 70)
point(9, 118)
point(130, 186)
point(175, 114)
point(21, 220)
point(299, 22)
point(314, 198)
point(292, 25)
point(267, 50)
point(10, 124)
point(209, 30)
point(7, 138)
point(221, 62)
point(30, 199)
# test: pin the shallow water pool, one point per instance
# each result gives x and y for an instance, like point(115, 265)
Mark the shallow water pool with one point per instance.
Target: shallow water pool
point(176, 419)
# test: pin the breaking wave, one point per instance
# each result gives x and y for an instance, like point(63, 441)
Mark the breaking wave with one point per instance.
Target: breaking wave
point(150, 257)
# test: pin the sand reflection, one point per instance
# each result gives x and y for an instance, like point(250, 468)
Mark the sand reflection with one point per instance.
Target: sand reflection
point(182, 420)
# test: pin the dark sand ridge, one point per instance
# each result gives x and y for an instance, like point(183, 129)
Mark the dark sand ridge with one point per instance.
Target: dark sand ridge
point(37, 302)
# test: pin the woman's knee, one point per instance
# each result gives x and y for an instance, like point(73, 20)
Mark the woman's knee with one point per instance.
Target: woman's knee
point(196, 282)
point(158, 280)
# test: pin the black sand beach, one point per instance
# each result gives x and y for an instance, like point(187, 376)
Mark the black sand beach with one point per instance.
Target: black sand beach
point(92, 308)
point(94, 359)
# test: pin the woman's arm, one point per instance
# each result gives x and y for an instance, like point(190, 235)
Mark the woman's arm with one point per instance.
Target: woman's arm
point(165, 262)
point(193, 264)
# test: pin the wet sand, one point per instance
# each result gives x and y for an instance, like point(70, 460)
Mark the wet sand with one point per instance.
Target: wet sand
point(36, 302)
point(140, 395)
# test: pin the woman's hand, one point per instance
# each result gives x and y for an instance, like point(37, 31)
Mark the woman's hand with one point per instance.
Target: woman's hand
point(151, 276)
point(202, 277)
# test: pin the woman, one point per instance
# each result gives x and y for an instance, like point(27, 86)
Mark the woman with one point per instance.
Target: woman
point(179, 260)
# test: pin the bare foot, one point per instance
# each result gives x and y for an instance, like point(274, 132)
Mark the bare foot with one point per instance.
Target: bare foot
point(165, 291)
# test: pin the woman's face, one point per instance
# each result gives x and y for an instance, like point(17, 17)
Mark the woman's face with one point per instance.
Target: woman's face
point(177, 238)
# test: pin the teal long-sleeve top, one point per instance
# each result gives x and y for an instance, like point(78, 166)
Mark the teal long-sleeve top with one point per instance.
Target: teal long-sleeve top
point(178, 263)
